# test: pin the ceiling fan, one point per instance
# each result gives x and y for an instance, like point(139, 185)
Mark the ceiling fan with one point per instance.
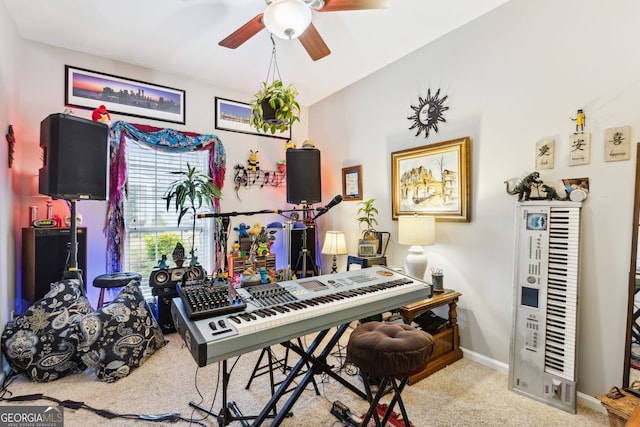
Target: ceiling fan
point(290, 19)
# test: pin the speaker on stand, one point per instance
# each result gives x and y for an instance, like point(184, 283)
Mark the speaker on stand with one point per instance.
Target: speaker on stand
point(304, 188)
point(74, 166)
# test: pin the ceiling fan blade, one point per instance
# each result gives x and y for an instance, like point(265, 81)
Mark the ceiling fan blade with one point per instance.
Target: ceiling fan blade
point(339, 5)
point(313, 43)
point(243, 33)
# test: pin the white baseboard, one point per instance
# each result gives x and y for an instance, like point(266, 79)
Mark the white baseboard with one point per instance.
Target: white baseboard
point(583, 399)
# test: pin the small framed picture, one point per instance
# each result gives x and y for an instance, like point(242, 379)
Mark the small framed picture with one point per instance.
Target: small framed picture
point(366, 249)
point(352, 183)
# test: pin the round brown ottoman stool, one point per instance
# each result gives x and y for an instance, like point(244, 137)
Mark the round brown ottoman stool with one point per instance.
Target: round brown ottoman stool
point(393, 351)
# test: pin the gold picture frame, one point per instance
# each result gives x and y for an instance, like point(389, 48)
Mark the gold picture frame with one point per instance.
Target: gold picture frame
point(352, 183)
point(433, 180)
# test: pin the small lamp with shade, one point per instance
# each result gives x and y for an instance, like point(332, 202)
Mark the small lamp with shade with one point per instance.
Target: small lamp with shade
point(417, 231)
point(334, 244)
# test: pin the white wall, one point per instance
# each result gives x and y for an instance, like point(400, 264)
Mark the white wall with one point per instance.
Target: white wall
point(9, 97)
point(512, 77)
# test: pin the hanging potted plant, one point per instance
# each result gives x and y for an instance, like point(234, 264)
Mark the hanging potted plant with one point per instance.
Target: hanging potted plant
point(367, 217)
point(274, 107)
point(188, 193)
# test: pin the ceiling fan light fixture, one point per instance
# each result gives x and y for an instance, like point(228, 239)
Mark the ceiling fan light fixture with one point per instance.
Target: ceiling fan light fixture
point(287, 19)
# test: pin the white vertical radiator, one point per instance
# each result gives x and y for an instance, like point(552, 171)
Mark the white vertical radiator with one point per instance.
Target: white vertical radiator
point(546, 281)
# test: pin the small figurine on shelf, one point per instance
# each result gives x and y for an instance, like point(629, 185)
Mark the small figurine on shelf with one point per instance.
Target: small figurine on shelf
point(289, 145)
point(162, 263)
point(522, 187)
point(221, 277)
point(255, 230)
point(242, 229)
point(194, 260)
point(235, 249)
point(178, 254)
point(264, 276)
point(282, 166)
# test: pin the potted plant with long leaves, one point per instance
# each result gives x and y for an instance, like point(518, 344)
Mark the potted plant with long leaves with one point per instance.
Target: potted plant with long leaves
point(367, 216)
point(274, 107)
point(189, 193)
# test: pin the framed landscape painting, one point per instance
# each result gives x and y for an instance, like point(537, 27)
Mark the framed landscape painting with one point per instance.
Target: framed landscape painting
point(433, 180)
point(89, 89)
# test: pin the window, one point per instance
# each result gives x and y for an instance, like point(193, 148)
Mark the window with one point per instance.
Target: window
point(152, 230)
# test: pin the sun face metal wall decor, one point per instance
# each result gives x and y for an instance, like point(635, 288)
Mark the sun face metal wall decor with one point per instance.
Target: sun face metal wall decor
point(428, 113)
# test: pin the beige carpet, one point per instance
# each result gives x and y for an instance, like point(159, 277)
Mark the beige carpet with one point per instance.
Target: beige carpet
point(463, 394)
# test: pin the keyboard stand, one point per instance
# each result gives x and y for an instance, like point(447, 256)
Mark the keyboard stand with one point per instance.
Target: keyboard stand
point(230, 411)
point(273, 364)
point(318, 366)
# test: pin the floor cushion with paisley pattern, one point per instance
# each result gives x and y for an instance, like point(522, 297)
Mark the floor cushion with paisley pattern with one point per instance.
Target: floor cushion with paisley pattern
point(119, 337)
point(39, 343)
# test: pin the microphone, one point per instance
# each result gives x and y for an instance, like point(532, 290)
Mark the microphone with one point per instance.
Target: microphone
point(323, 210)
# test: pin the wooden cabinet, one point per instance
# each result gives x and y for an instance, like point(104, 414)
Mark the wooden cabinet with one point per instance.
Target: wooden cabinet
point(45, 253)
point(447, 340)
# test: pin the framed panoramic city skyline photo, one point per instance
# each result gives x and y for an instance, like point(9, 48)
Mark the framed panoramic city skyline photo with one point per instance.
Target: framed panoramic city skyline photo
point(234, 117)
point(89, 89)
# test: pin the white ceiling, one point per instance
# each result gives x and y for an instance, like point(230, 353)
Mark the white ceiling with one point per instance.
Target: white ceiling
point(181, 36)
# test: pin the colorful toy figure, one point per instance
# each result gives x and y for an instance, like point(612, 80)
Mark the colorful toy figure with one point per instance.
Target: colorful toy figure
point(253, 164)
point(255, 230)
point(580, 120)
point(101, 114)
point(242, 229)
point(236, 248)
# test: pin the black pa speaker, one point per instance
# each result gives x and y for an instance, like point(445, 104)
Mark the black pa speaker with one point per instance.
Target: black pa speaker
point(45, 253)
point(303, 176)
point(75, 158)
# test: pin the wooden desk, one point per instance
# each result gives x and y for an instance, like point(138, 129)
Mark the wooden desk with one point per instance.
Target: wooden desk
point(447, 349)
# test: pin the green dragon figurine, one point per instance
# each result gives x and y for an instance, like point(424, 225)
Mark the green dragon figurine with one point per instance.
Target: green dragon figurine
point(523, 186)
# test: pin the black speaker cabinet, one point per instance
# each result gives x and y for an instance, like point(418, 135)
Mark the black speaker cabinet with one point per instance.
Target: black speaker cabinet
point(75, 158)
point(163, 308)
point(303, 176)
point(44, 259)
point(297, 255)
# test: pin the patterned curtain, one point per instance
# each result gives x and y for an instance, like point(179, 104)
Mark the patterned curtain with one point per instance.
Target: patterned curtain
point(164, 139)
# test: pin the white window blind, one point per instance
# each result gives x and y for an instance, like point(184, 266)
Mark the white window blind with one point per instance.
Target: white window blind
point(151, 229)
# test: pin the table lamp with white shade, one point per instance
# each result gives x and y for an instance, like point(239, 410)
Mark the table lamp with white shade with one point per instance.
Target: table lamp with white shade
point(334, 244)
point(417, 231)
